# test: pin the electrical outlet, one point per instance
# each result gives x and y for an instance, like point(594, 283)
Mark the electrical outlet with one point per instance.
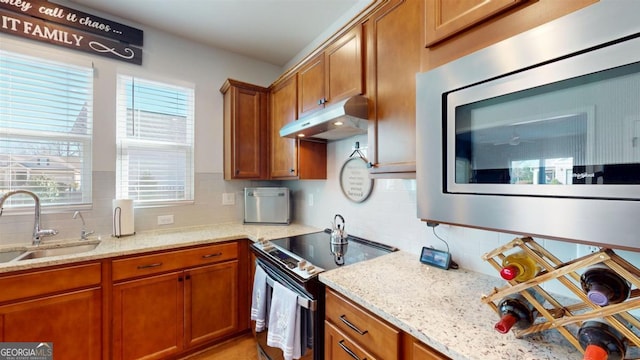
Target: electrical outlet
point(310, 199)
point(165, 219)
point(228, 199)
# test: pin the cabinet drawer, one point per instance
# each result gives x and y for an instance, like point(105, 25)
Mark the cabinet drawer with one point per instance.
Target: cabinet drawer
point(372, 334)
point(42, 282)
point(338, 346)
point(173, 260)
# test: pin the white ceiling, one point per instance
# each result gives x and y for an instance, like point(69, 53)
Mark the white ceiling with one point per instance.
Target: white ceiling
point(270, 30)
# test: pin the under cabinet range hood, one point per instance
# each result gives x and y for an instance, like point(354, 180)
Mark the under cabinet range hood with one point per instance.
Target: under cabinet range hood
point(338, 121)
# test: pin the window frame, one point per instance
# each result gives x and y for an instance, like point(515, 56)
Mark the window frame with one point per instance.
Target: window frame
point(124, 142)
point(10, 133)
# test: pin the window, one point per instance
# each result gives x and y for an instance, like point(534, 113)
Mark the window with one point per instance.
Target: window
point(45, 130)
point(155, 142)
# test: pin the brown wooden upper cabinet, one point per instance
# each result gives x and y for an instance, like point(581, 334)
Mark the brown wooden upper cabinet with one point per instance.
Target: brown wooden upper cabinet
point(332, 75)
point(393, 59)
point(284, 152)
point(446, 18)
point(245, 129)
point(292, 158)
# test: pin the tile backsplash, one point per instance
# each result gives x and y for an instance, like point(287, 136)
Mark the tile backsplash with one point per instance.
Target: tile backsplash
point(389, 216)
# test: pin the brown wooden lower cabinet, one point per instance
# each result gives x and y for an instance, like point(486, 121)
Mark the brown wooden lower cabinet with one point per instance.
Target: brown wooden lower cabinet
point(353, 332)
point(61, 305)
point(338, 346)
point(420, 351)
point(211, 302)
point(156, 316)
point(148, 317)
point(71, 321)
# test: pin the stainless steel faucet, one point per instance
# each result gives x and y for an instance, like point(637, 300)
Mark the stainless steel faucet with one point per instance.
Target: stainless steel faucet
point(38, 233)
point(84, 234)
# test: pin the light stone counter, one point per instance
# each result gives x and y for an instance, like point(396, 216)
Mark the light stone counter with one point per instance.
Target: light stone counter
point(441, 308)
point(157, 240)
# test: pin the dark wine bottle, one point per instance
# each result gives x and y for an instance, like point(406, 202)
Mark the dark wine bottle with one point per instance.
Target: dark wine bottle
point(516, 312)
point(601, 341)
point(604, 286)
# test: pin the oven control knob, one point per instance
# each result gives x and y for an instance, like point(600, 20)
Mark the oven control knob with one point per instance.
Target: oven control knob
point(310, 268)
point(302, 264)
point(267, 246)
point(311, 271)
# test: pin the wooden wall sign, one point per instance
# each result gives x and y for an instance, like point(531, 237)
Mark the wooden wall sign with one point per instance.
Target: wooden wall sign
point(75, 19)
point(62, 26)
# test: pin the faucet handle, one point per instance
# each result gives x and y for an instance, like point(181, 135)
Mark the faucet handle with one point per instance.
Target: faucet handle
point(84, 234)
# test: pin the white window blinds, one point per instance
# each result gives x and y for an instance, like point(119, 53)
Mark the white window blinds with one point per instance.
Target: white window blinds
point(45, 130)
point(155, 142)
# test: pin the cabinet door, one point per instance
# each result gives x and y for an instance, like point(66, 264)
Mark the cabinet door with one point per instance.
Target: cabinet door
point(211, 300)
point(446, 18)
point(71, 321)
point(284, 152)
point(420, 351)
point(394, 48)
point(344, 75)
point(311, 86)
point(148, 317)
point(245, 116)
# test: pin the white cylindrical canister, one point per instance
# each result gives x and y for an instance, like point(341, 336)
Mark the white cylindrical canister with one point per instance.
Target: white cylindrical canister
point(123, 222)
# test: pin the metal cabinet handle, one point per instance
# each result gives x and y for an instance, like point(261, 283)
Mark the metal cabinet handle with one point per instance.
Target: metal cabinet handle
point(149, 266)
point(349, 351)
point(353, 327)
point(211, 255)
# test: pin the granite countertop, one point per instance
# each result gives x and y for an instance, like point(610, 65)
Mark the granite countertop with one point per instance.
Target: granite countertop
point(441, 308)
point(154, 241)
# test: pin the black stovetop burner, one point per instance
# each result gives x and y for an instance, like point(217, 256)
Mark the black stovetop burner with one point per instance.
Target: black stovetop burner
point(315, 249)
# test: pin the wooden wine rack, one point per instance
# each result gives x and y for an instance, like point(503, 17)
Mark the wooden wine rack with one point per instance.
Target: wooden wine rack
point(566, 318)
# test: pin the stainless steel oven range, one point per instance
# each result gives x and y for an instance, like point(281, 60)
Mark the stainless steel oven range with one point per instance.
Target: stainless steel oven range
point(295, 262)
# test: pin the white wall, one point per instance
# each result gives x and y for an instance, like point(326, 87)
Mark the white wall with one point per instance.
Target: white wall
point(165, 57)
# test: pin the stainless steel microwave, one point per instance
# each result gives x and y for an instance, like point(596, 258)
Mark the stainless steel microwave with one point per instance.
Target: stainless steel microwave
point(539, 134)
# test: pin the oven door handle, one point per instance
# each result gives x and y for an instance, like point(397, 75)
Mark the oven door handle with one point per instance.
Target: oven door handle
point(303, 300)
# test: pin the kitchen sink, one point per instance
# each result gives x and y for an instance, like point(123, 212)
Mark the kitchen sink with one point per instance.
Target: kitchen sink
point(6, 256)
point(59, 250)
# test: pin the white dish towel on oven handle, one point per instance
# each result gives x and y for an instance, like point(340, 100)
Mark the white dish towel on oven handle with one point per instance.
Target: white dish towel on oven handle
point(284, 322)
point(259, 299)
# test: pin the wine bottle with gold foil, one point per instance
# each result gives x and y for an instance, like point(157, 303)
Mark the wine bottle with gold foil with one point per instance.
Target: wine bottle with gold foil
point(519, 266)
